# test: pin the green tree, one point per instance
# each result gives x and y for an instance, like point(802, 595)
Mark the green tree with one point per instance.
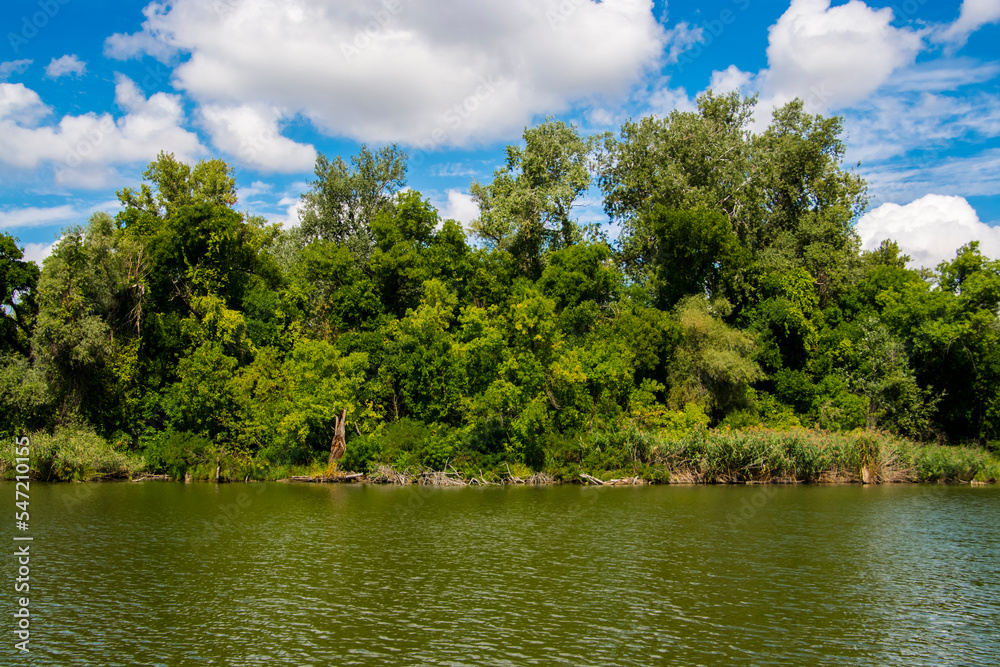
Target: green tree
point(701, 160)
point(18, 299)
point(697, 253)
point(344, 199)
point(712, 364)
point(527, 209)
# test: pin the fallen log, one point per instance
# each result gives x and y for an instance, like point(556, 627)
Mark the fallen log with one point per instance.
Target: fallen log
point(590, 479)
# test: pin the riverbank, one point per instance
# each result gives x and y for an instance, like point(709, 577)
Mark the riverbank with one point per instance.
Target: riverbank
point(701, 456)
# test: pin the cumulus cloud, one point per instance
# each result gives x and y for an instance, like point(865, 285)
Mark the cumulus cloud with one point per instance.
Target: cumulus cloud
point(12, 67)
point(293, 213)
point(255, 189)
point(148, 41)
point(929, 229)
point(729, 80)
point(834, 56)
point(666, 99)
point(460, 207)
point(974, 15)
point(68, 64)
point(423, 72)
point(19, 104)
point(85, 149)
point(37, 252)
point(251, 134)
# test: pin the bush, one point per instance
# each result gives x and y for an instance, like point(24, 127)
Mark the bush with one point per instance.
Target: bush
point(173, 453)
point(76, 452)
point(937, 463)
point(362, 454)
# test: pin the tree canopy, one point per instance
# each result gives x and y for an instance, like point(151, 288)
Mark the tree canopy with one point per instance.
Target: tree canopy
point(735, 294)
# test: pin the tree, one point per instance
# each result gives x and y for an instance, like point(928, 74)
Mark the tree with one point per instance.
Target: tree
point(811, 201)
point(686, 161)
point(410, 250)
point(18, 298)
point(343, 200)
point(712, 363)
point(697, 253)
point(881, 373)
point(72, 342)
point(527, 209)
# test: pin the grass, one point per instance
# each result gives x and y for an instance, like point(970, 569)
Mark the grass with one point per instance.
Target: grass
point(74, 453)
point(706, 456)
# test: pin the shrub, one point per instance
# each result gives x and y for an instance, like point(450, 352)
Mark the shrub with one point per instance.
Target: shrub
point(362, 454)
point(173, 452)
point(76, 452)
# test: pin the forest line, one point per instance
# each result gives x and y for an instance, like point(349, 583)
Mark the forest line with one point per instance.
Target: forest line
point(733, 331)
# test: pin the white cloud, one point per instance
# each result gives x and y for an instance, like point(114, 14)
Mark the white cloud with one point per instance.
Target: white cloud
point(85, 149)
point(974, 15)
point(254, 189)
point(888, 126)
point(251, 134)
point(943, 75)
point(19, 104)
point(729, 80)
point(929, 229)
point(460, 207)
point(293, 211)
point(425, 72)
point(13, 67)
point(149, 41)
point(833, 57)
point(455, 169)
point(37, 217)
point(37, 252)
point(666, 99)
point(681, 38)
point(68, 64)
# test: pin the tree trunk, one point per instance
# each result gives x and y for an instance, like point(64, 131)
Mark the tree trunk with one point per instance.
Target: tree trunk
point(339, 444)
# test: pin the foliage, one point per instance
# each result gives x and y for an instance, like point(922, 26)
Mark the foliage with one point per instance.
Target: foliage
point(75, 452)
point(734, 296)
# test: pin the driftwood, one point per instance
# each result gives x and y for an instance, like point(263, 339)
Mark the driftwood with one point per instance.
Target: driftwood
point(339, 444)
point(626, 481)
point(322, 480)
point(590, 479)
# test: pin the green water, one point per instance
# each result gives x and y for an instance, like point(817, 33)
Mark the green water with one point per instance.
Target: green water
point(279, 574)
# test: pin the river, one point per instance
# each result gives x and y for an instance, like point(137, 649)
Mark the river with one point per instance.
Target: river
point(292, 574)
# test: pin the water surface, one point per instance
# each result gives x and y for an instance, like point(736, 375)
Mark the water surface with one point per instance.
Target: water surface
point(265, 574)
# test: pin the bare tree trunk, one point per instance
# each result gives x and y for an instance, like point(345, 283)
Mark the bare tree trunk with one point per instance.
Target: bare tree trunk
point(339, 444)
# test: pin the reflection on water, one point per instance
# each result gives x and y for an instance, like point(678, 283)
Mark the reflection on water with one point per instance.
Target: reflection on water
point(173, 574)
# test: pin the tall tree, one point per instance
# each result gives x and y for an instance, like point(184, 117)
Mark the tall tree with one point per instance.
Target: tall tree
point(702, 159)
point(344, 199)
point(527, 209)
point(18, 302)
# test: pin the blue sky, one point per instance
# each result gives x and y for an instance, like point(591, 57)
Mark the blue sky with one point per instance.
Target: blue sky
point(91, 90)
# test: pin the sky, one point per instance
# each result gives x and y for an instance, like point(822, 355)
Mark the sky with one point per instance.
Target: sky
point(92, 90)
